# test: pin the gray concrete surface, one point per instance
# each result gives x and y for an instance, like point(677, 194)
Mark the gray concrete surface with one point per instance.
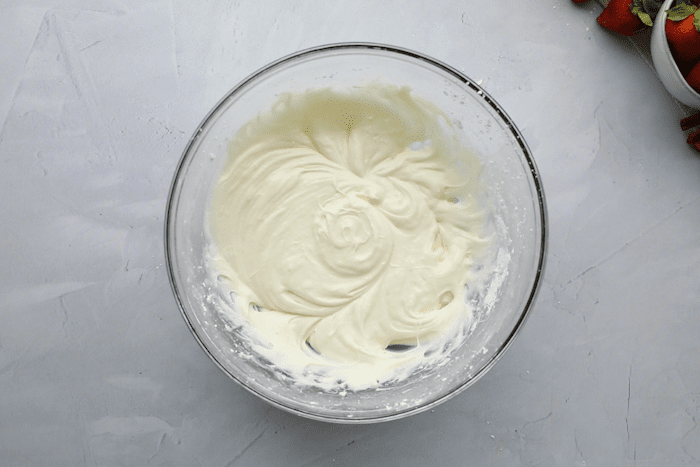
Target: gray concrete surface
point(97, 367)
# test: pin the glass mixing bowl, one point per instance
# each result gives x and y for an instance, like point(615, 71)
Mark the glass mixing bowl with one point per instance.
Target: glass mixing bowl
point(514, 198)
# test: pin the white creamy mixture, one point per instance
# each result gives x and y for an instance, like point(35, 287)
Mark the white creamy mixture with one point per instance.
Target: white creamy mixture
point(347, 224)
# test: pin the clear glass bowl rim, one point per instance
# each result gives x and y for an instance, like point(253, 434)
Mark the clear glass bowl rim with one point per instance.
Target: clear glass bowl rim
point(359, 46)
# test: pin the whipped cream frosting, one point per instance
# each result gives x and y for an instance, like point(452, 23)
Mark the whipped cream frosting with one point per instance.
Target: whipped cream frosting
point(347, 223)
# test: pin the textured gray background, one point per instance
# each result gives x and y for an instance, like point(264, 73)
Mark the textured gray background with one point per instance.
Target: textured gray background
point(97, 367)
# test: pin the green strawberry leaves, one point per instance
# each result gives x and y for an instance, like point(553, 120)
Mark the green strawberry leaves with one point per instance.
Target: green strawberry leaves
point(681, 12)
point(644, 16)
point(646, 10)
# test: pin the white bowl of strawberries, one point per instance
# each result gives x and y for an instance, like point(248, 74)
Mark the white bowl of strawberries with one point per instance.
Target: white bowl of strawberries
point(675, 49)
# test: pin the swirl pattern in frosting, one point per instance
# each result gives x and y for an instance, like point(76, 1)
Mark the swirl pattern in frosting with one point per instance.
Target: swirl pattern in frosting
point(346, 223)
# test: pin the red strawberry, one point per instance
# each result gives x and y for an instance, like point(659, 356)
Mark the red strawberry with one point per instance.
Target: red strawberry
point(618, 17)
point(693, 77)
point(683, 32)
point(690, 122)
